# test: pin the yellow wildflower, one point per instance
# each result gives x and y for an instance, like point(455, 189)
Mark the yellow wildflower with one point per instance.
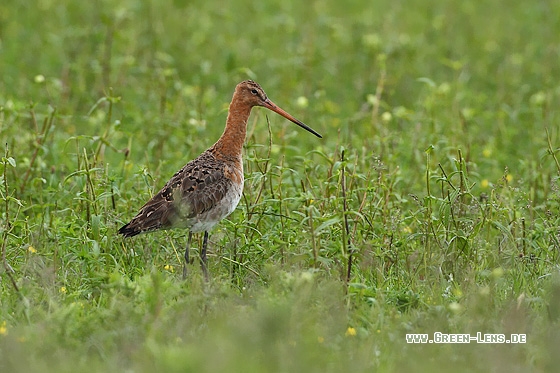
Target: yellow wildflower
point(386, 117)
point(302, 102)
point(3, 328)
point(351, 332)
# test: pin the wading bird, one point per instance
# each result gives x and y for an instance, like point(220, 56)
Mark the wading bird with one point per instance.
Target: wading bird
point(208, 188)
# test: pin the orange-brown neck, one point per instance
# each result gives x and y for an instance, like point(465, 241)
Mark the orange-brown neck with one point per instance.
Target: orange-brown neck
point(230, 144)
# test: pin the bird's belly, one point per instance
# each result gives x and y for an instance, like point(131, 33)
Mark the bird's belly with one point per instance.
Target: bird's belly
point(208, 219)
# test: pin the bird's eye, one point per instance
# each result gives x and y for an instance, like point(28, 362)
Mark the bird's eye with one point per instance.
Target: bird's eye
point(254, 91)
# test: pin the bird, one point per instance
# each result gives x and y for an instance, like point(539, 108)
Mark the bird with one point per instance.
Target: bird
point(208, 188)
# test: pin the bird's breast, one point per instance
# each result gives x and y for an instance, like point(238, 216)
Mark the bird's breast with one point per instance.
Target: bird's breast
point(223, 207)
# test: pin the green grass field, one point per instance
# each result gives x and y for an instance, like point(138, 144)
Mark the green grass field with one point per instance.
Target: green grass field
point(437, 179)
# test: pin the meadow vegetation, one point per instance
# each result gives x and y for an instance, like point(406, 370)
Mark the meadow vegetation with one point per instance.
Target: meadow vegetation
point(430, 205)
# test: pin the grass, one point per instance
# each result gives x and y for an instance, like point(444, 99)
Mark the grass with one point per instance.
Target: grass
point(437, 179)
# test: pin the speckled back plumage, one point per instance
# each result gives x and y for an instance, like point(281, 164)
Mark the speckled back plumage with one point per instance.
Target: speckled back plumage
point(197, 197)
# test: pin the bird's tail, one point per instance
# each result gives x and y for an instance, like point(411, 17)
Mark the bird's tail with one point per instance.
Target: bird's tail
point(129, 230)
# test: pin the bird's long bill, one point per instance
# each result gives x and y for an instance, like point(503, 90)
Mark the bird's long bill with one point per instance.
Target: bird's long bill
point(272, 106)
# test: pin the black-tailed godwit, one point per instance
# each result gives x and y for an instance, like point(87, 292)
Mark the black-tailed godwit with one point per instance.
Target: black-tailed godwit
point(208, 188)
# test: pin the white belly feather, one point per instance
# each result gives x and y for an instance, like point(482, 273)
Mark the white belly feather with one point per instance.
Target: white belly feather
point(208, 219)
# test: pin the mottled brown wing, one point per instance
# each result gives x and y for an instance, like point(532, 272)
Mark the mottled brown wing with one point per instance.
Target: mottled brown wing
point(194, 189)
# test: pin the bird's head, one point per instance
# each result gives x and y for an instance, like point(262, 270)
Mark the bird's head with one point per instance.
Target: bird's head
point(252, 94)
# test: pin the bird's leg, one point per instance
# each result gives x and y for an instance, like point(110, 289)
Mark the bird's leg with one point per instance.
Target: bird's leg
point(203, 261)
point(187, 256)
